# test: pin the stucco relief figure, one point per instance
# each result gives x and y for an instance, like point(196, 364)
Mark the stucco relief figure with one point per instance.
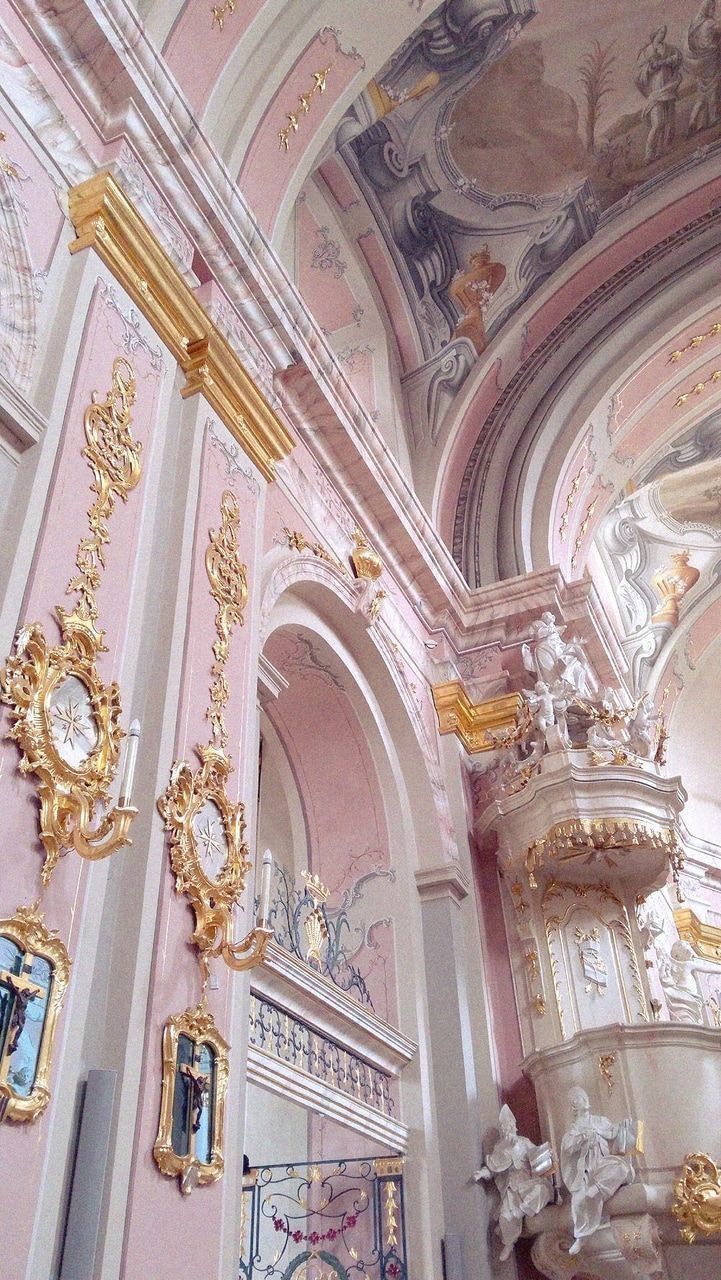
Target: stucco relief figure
point(703, 61)
point(642, 728)
point(606, 731)
point(677, 970)
point(595, 971)
point(658, 78)
point(520, 1170)
point(553, 659)
point(651, 922)
point(594, 1164)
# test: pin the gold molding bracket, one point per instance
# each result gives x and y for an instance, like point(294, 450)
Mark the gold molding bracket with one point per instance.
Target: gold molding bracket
point(106, 220)
point(64, 719)
point(704, 938)
point(474, 722)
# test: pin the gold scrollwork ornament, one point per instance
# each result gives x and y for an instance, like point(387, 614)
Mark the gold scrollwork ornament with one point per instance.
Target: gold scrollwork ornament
point(207, 850)
point(697, 1203)
point(64, 718)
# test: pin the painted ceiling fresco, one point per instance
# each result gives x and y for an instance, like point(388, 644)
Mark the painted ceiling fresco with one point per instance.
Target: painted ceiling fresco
point(501, 138)
point(609, 94)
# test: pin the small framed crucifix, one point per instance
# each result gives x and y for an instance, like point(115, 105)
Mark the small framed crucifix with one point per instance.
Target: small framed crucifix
point(34, 974)
point(195, 1077)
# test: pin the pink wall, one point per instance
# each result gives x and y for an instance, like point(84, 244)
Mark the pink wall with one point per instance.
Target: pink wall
point(175, 979)
point(64, 523)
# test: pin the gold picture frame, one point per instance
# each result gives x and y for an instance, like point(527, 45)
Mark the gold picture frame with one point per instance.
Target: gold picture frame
point(203, 1093)
point(29, 934)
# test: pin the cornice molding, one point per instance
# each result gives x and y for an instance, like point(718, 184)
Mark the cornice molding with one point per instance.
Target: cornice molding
point(704, 938)
point(472, 721)
point(447, 881)
point(106, 220)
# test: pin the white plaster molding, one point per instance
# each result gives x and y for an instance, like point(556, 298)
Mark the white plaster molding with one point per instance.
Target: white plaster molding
point(303, 992)
point(448, 881)
point(292, 1083)
point(271, 682)
point(19, 419)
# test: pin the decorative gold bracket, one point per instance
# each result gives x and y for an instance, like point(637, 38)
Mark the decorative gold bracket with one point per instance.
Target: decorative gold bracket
point(65, 720)
point(697, 1203)
point(475, 723)
point(105, 219)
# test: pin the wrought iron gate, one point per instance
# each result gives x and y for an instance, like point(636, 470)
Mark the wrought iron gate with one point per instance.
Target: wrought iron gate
point(330, 1220)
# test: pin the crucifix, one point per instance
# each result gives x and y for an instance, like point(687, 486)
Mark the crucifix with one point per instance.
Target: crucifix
point(197, 1097)
point(22, 991)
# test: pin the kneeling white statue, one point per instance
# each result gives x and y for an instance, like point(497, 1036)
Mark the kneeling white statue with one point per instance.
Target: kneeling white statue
point(520, 1170)
point(594, 1163)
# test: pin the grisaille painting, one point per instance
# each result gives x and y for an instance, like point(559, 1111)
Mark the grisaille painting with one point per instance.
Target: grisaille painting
point(615, 92)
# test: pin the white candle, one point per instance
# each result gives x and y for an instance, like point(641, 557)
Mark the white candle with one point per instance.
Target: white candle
point(131, 755)
point(265, 879)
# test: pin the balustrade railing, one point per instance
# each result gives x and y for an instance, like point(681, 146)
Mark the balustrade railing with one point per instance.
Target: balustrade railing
point(289, 1040)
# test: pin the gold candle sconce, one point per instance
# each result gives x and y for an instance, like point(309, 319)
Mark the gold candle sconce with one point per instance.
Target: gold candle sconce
point(208, 852)
point(64, 718)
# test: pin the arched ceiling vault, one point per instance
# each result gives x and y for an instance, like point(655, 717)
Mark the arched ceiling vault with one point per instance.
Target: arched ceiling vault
point(497, 222)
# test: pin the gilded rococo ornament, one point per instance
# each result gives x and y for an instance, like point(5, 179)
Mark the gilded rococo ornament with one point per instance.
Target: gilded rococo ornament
point(34, 974)
point(229, 588)
point(64, 718)
point(189, 1144)
point(208, 852)
point(697, 1203)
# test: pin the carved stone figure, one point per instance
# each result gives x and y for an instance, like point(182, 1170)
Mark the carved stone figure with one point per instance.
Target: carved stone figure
point(548, 709)
point(594, 1165)
point(658, 78)
point(642, 728)
point(520, 1171)
point(677, 970)
point(703, 61)
point(651, 924)
point(555, 660)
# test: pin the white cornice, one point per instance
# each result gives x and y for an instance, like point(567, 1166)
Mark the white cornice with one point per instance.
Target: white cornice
point(290, 1082)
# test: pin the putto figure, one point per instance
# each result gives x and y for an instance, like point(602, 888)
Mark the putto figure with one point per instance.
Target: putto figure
point(520, 1170)
point(594, 1164)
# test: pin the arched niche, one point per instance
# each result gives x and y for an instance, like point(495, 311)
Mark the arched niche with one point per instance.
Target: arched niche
point(343, 777)
point(322, 806)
